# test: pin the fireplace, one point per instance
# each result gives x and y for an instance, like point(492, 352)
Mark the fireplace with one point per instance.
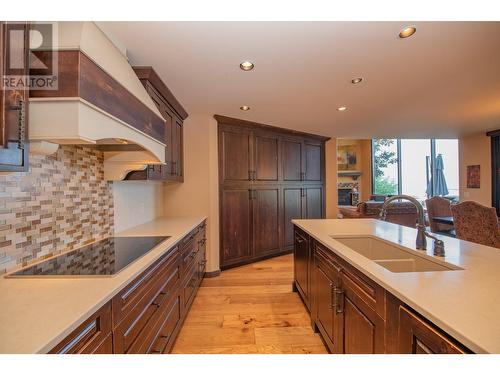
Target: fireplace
point(347, 193)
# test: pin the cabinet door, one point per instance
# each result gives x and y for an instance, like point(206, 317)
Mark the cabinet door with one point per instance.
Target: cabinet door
point(292, 209)
point(301, 259)
point(266, 228)
point(292, 160)
point(362, 328)
point(326, 311)
point(236, 225)
point(177, 148)
point(313, 161)
point(235, 155)
point(417, 336)
point(266, 158)
point(14, 61)
point(313, 202)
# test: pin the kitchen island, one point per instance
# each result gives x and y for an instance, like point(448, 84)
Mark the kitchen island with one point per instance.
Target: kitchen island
point(458, 299)
point(38, 313)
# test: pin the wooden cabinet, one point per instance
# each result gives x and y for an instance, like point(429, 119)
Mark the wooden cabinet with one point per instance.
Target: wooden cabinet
point(147, 314)
point(272, 165)
point(417, 336)
point(326, 308)
point(313, 160)
point(266, 151)
point(313, 202)
point(174, 115)
point(14, 61)
point(266, 221)
point(353, 313)
point(292, 159)
point(360, 302)
point(236, 225)
point(235, 155)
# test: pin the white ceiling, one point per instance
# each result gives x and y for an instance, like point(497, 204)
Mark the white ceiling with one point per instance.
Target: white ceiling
point(444, 81)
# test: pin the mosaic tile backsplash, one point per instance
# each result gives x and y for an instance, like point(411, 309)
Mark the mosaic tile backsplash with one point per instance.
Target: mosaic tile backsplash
point(62, 203)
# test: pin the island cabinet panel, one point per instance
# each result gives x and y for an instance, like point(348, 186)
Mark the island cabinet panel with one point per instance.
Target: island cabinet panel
point(147, 314)
point(301, 264)
point(354, 314)
point(326, 313)
point(292, 209)
point(283, 171)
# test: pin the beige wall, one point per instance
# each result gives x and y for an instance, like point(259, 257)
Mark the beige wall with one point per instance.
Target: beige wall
point(136, 202)
point(198, 195)
point(331, 179)
point(475, 150)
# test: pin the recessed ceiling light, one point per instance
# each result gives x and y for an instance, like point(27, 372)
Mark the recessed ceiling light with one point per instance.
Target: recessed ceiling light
point(342, 109)
point(246, 66)
point(407, 32)
point(245, 108)
point(356, 80)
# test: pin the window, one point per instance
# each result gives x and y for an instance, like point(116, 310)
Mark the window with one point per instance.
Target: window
point(415, 167)
point(385, 166)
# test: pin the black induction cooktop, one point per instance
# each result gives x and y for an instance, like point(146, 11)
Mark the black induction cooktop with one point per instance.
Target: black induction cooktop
point(103, 258)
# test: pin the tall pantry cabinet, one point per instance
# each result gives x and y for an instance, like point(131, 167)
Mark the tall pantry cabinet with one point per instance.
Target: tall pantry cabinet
point(267, 177)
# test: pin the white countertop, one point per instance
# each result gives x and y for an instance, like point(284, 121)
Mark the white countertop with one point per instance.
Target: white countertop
point(37, 313)
point(464, 303)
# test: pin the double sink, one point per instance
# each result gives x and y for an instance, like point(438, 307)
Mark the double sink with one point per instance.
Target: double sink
point(393, 257)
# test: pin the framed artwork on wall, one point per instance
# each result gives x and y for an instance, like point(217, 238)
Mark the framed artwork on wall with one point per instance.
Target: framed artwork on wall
point(473, 176)
point(346, 158)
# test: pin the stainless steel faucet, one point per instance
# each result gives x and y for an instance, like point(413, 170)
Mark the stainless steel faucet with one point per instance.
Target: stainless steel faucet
point(421, 242)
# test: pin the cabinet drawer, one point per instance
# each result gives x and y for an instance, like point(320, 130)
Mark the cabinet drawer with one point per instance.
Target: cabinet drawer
point(140, 292)
point(189, 252)
point(169, 322)
point(361, 288)
point(92, 336)
point(136, 331)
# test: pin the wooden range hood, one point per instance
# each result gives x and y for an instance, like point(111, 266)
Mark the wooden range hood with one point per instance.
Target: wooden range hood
point(99, 102)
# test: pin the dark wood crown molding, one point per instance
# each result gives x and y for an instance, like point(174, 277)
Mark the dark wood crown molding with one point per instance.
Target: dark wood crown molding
point(250, 124)
point(493, 133)
point(149, 74)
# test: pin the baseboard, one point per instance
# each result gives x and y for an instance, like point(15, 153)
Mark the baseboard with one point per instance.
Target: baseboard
point(212, 274)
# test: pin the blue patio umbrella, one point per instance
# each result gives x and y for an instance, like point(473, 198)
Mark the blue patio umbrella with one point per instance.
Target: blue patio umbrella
point(438, 187)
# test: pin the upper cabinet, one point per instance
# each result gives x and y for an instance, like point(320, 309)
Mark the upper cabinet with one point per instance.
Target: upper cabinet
point(267, 154)
point(14, 61)
point(174, 115)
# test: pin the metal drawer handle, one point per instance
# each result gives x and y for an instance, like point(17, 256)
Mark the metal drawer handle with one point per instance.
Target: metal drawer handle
point(338, 300)
point(332, 298)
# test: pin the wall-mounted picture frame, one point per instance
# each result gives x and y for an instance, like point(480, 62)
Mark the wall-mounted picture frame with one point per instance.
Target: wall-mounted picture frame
point(473, 176)
point(346, 158)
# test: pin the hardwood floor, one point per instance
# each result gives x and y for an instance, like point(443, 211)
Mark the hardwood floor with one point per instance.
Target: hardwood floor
point(249, 309)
